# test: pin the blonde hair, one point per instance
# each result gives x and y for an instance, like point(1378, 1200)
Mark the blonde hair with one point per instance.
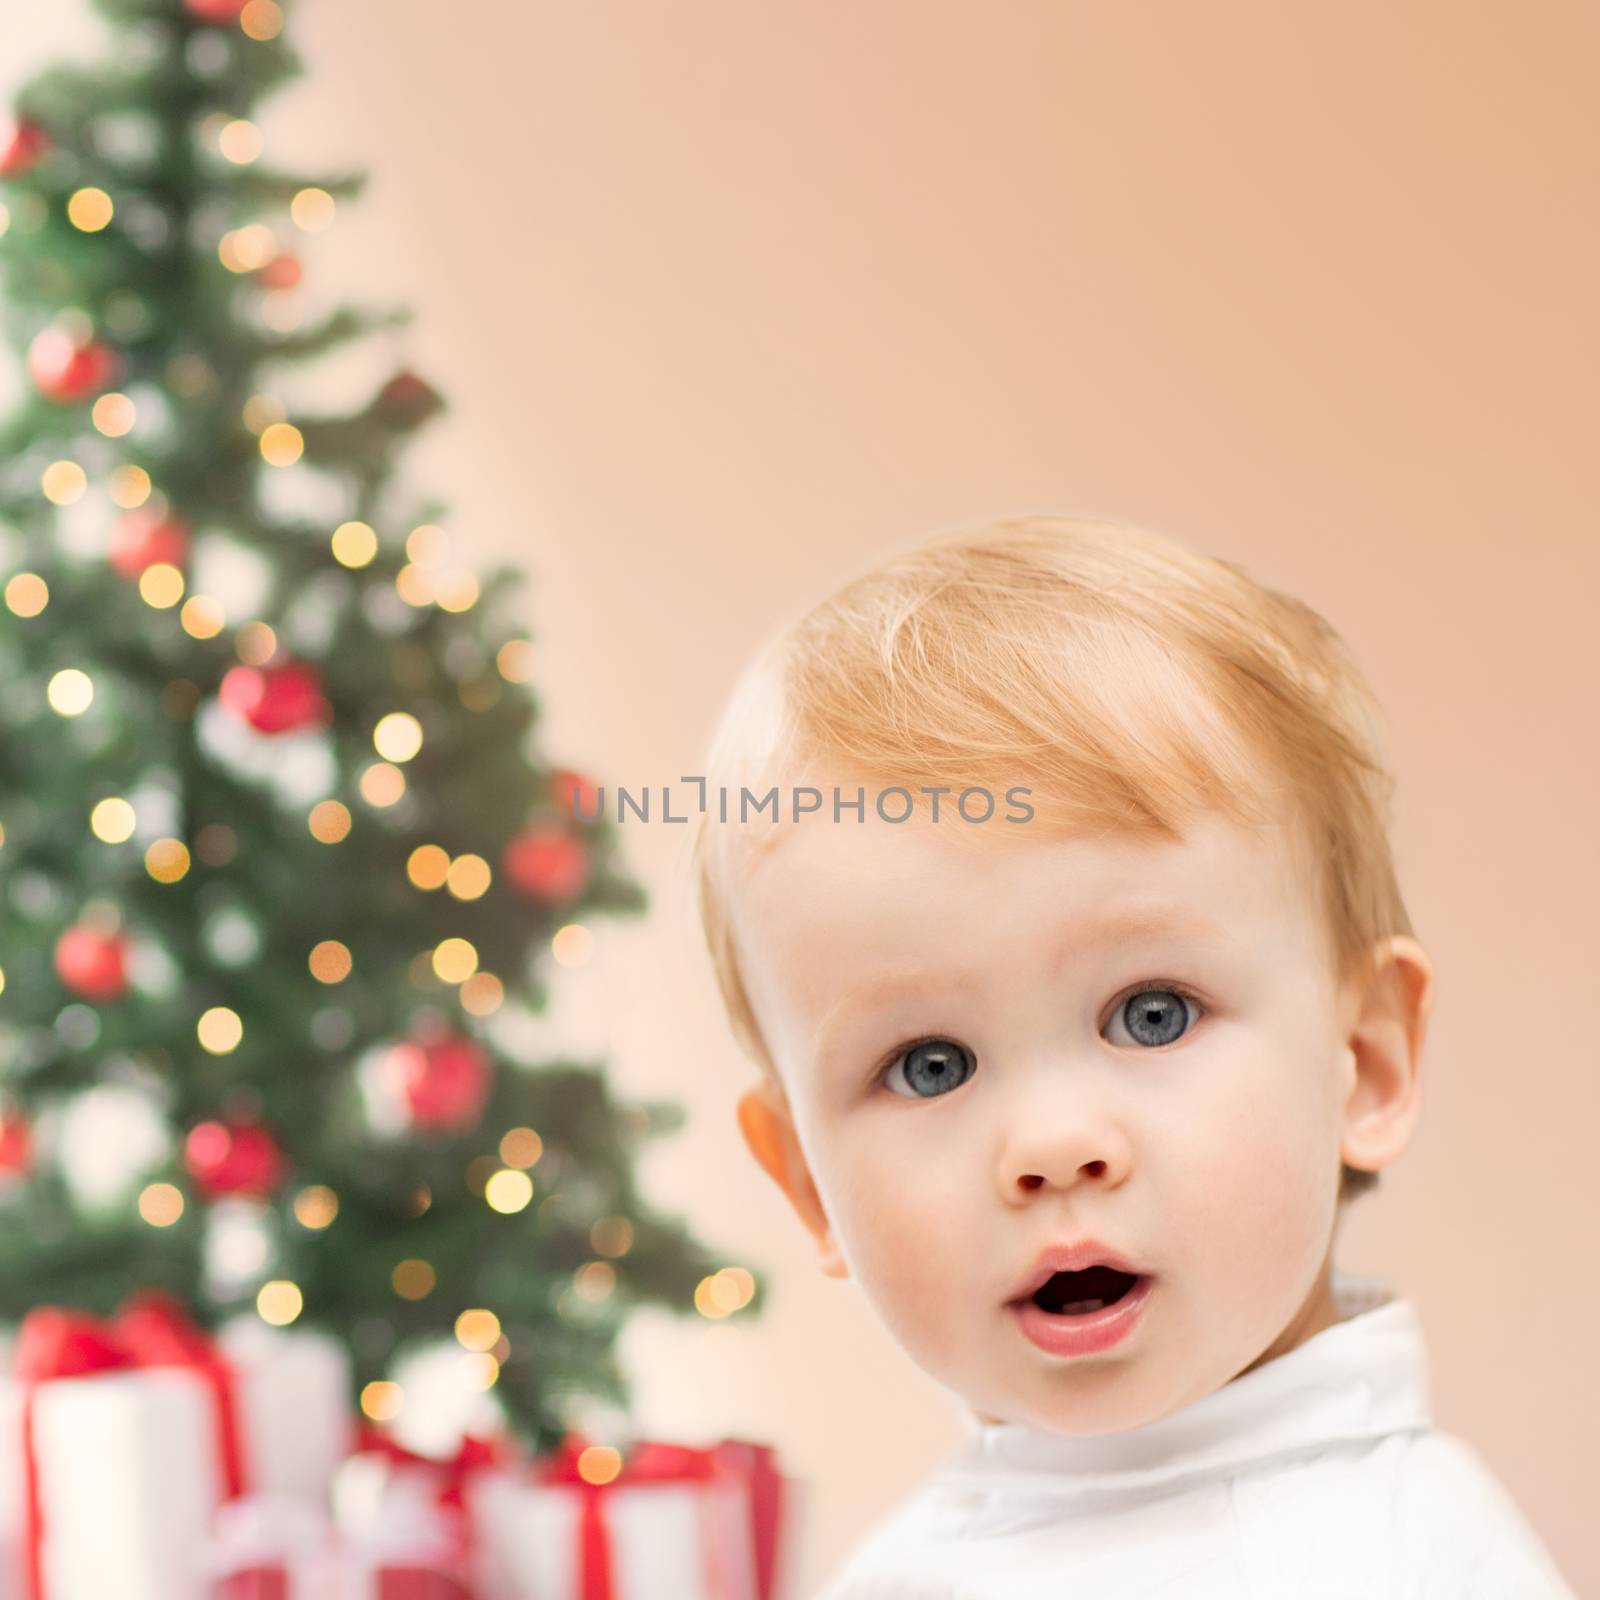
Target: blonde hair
point(1131, 682)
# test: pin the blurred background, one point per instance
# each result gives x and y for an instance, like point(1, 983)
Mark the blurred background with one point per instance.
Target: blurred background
point(727, 298)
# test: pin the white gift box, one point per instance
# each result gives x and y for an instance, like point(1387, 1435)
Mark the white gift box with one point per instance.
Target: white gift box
point(129, 1463)
point(668, 1541)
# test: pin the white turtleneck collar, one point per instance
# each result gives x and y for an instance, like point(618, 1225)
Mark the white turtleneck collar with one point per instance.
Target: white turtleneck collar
point(1364, 1376)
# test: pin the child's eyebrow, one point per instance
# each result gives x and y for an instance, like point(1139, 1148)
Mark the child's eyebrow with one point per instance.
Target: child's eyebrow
point(1146, 919)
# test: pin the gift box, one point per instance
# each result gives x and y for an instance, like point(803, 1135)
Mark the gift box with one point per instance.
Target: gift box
point(677, 1523)
point(119, 1440)
point(272, 1547)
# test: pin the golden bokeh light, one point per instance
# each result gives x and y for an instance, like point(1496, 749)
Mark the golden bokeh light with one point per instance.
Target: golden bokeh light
point(612, 1236)
point(70, 692)
point(508, 1191)
point(572, 945)
point(89, 210)
point(398, 736)
point(256, 643)
point(514, 661)
point(413, 585)
point(261, 411)
point(482, 994)
point(456, 590)
point(354, 544)
point(594, 1281)
point(282, 444)
point(428, 544)
point(330, 961)
point(520, 1147)
point(130, 487)
point(724, 1292)
point(113, 415)
point(279, 1302)
point(202, 617)
point(247, 249)
point(454, 960)
point(428, 866)
point(413, 1279)
point(219, 1030)
point(599, 1463)
point(160, 1204)
point(161, 585)
point(240, 142)
point(27, 594)
point(167, 860)
point(382, 784)
point(64, 483)
point(477, 1329)
point(381, 1400)
point(312, 210)
point(329, 821)
point(469, 877)
point(479, 1370)
point(112, 820)
point(315, 1207)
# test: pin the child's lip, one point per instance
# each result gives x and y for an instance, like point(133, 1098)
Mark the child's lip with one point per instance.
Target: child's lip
point(1073, 1257)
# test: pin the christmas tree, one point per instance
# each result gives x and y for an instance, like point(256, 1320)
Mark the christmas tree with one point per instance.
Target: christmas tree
point(280, 860)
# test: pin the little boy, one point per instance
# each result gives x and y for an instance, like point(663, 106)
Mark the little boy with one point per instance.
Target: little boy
point(1084, 999)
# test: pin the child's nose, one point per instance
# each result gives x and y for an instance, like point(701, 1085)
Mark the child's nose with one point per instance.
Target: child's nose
point(1052, 1147)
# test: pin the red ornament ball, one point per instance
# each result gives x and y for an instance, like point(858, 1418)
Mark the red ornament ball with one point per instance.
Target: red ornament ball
point(276, 699)
point(234, 1157)
point(16, 1144)
point(22, 146)
point(575, 794)
point(406, 401)
point(443, 1081)
point(92, 962)
point(215, 10)
point(66, 371)
point(283, 271)
point(145, 537)
point(547, 861)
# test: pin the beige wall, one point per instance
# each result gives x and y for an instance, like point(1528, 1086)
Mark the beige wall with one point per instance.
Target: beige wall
point(729, 295)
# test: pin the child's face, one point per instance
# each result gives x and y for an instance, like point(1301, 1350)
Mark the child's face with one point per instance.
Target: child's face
point(1206, 1152)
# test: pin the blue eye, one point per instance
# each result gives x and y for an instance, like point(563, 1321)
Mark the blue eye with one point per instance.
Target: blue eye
point(1155, 1017)
point(933, 1067)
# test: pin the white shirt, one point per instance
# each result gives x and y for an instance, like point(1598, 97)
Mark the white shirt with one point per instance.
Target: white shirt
point(1316, 1476)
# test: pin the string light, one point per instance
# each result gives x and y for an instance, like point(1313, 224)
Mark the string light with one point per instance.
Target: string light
point(382, 784)
point(256, 644)
point(219, 1030)
point(64, 483)
point(161, 585)
point(167, 860)
point(312, 210)
point(112, 821)
point(354, 544)
point(130, 487)
point(240, 142)
point(261, 411)
point(160, 1204)
point(413, 585)
point(477, 1329)
point(482, 994)
point(469, 877)
point(508, 1191)
point(428, 866)
point(514, 661)
point(724, 1292)
point(398, 736)
point(612, 1236)
point(331, 961)
point(282, 444)
point(262, 20)
point(599, 1463)
point(279, 1302)
point(573, 945)
point(454, 960)
point(315, 1207)
point(70, 692)
point(113, 415)
point(247, 249)
point(27, 594)
point(381, 1400)
point(594, 1281)
point(456, 591)
point(413, 1279)
point(479, 1371)
point(89, 210)
point(329, 821)
point(520, 1147)
point(202, 617)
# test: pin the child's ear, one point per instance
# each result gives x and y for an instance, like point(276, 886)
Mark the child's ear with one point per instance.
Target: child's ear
point(1384, 1055)
point(768, 1129)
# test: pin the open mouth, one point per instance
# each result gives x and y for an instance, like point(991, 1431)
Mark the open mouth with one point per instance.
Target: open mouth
point(1077, 1294)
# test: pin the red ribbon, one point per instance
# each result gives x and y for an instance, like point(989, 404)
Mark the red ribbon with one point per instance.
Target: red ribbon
point(149, 1330)
point(650, 1461)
